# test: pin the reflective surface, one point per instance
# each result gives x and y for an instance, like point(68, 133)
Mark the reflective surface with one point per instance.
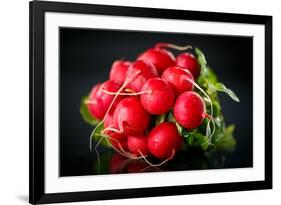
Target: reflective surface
point(113, 163)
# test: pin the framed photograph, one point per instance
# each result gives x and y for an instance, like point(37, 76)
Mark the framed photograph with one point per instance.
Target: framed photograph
point(140, 102)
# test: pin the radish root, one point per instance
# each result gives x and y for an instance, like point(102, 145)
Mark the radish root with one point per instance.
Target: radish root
point(173, 46)
point(129, 94)
point(159, 164)
point(111, 129)
point(156, 168)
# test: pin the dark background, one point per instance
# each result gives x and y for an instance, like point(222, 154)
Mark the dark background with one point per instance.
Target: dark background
point(86, 56)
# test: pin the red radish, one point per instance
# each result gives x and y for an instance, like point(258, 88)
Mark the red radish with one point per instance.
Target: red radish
point(118, 70)
point(189, 110)
point(99, 102)
point(181, 80)
point(91, 106)
point(189, 62)
point(116, 163)
point(145, 71)
point(138, 144)
point(130, 117)
point(159, 57)
point(164, 140)
point(117, 140)
point(157, 96)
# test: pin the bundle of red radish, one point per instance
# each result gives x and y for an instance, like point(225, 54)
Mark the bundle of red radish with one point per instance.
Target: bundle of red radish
point(151, 107)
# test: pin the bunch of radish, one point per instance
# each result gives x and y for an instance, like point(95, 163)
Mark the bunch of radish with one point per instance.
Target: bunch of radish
point(138, 92)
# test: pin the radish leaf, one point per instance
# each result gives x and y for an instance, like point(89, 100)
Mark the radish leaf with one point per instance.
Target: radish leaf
point(196, 139)
point(222, 88)
point(97, 135)
point(160, 118)
point(227, 141)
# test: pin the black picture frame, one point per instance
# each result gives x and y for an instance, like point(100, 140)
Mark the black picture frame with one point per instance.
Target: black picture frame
point(37, 10)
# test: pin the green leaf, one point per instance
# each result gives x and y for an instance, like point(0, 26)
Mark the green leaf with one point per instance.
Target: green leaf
point(86, 115)
point(172, 119)
point(180, 128)
point(207, 78)
point(211, 89)
point(207, 75)
point(216, 107)
point(208, 131)
point(189, 140)
point(201, 58)
point(212, 77)
point(98, 134)
point(205, 145)
point(159, 119)
point(222, 88)
point(227, 141)
point(217, 120)
point(102, 166)
point(197, 139)
point(229, 130)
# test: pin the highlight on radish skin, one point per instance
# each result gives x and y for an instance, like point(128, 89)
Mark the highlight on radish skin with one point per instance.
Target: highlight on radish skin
point(138, 144)
point(98, 102)
point(130, 117)
point(145, 71)
point(189, 62)
point(159, 57)
point(164, 140)
point(180, 79)
point(118, 70)
point(189, 110)
point(157, 96)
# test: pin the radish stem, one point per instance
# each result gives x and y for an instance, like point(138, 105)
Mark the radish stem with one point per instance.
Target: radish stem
point(173, 46)
point(129, 94)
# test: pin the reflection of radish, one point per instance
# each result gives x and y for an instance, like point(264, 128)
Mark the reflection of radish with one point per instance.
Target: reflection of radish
point(118, 70)
point(164, 140)
point(130, 117)
point(136, 167)
point(189, 62)
point(99, 102)
point(189, 110)
point(145, 71)
point(116, 163)
point(138, 144)
point(159, 57)
point(181, 80)
point(158, 96)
